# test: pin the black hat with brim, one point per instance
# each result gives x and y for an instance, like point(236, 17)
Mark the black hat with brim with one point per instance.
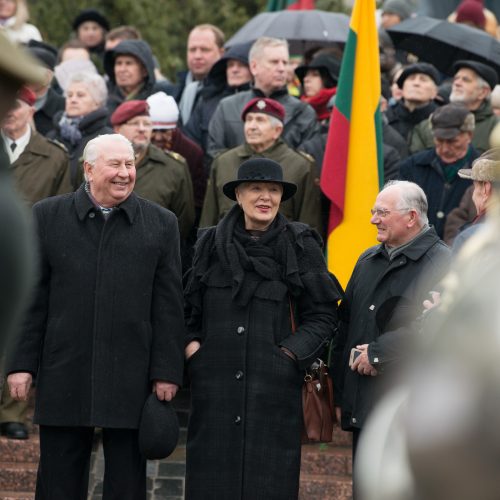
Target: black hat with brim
point(326, 64)
point(158, 429)
point(486, 72)
point(260, 170)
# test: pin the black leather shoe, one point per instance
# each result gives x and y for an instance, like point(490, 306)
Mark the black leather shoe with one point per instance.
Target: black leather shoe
point(14, 430)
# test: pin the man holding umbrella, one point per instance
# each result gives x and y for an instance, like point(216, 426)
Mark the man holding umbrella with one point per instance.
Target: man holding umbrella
point(473, 83)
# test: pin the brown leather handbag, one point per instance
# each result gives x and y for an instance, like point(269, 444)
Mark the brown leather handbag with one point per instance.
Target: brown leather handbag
point(317, 400)
point(317, 404)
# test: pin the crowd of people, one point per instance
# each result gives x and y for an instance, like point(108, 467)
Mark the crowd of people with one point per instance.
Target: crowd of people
point(216, 178)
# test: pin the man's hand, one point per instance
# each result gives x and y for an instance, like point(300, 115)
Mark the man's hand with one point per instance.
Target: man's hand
point(165, 391)
point(19, 385)
point(434, 302)
point(191, 348)
point(362, 364)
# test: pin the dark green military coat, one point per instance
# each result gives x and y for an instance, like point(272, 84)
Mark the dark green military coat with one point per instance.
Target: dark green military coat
point(164, 178)
point(298, 168)
point(42, 170)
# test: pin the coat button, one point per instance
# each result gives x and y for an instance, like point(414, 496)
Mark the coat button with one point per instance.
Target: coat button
point(237, 420)
point(92, 215)
point(238, 375)
point(240, 330)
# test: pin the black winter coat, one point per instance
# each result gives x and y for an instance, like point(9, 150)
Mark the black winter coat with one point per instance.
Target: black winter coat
point(383, 299)
point(245, 424)
point(92, 125)
point(106, 319)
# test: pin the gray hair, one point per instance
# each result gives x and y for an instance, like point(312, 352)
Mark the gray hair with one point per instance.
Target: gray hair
point(412, 198)
point(262, 43)
point(483, 84)
point(95, 147)
point(94, 83)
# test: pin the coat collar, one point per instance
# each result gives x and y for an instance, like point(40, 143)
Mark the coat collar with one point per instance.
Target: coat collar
point(246, 151)
point(416, 249)
point(84, 205)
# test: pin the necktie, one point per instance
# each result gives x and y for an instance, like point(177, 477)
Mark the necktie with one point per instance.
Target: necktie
point(13, 146)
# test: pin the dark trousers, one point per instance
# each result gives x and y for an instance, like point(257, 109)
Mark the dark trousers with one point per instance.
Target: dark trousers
point(63, 471)
point(355, 440)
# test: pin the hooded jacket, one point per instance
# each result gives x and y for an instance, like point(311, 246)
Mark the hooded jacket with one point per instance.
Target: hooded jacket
point(141, 51)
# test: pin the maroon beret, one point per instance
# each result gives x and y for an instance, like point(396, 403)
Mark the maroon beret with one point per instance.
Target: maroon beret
point(128, 110)
point(264, 105)
point(27, 95)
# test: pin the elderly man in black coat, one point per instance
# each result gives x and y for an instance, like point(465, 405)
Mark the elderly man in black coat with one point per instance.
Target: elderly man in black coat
point(383, 299)
point(105, 327)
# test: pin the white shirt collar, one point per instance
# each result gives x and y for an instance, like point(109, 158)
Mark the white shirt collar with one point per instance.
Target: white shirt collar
point(22, 142)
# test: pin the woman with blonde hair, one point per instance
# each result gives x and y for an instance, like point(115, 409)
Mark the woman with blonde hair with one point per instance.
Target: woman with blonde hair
point(13, 20)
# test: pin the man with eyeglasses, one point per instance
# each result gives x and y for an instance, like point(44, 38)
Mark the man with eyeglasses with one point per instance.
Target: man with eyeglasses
point(383, 301)
point(162, 177)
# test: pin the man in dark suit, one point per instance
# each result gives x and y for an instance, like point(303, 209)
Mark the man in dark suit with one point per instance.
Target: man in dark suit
point(105, 326)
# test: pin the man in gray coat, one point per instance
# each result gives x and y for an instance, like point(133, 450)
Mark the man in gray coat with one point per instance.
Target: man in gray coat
point(105, 326)
point(269, 60)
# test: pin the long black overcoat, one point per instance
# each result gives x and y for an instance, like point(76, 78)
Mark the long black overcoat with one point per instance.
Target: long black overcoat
point(244, 434)
point(107, 316)
point(382, 301)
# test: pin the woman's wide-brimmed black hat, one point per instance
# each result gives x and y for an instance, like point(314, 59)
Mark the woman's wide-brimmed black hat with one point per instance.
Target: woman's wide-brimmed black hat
point(158, 429)
point(260, 170)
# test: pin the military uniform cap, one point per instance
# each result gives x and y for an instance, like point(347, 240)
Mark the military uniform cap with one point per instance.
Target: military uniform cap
point(264, 105)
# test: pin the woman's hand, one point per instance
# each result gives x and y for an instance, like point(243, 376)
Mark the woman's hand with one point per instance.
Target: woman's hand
point(191, 348)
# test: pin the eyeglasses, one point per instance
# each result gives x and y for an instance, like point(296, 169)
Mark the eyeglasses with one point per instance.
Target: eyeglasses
point(383, 212)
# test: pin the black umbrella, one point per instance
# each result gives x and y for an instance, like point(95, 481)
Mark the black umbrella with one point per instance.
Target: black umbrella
point(303, 29)
point(442, 43)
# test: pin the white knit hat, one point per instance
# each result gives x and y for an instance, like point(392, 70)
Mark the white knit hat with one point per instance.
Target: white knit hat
point(163, 111)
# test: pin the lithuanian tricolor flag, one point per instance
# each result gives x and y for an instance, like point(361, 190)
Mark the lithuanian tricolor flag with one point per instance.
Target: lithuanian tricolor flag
point(273, 5)
point(353, 166)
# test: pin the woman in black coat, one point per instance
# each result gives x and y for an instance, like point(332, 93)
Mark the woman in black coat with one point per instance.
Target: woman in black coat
point(245, 365)
point(84, 118)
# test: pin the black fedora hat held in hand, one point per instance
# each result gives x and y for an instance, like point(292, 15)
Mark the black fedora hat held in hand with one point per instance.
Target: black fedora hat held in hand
point(158, 429)
point(260, 170)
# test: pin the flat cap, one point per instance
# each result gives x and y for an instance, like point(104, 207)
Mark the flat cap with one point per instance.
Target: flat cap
point(420, 67)
point(449, 120)
point(128, 110)
point(264, 105)
point(486, 168)
point(486, 72)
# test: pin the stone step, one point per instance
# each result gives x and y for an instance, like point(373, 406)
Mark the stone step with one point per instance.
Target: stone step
point(341, 438)
point(20, 451)
point(16, 495)
point(321, 487)
point(326, 459)
point(17, 477)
